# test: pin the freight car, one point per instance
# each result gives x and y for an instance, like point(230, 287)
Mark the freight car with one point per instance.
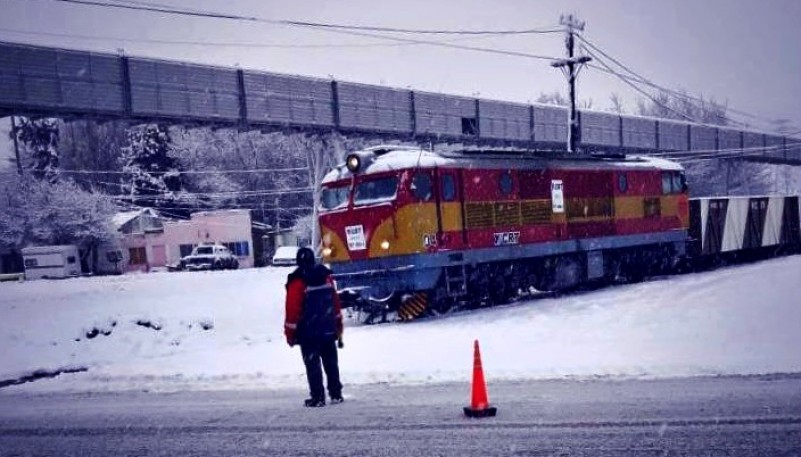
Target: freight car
point(408, 231)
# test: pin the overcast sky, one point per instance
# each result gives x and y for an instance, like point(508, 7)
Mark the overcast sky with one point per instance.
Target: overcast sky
point(743, 52)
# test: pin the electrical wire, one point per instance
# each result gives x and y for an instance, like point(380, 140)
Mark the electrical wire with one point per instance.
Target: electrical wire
point(644, 93)
point(161, 8)
point(192, 172)
point(643, 80)
point(223, 44)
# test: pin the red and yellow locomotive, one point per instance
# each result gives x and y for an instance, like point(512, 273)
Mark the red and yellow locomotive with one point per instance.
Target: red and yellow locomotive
point(408, 231)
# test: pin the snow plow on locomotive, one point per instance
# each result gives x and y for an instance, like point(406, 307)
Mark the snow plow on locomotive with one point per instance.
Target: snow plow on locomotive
point(409, 232)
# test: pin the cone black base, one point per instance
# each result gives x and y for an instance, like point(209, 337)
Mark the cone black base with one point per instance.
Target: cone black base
point(489, 411)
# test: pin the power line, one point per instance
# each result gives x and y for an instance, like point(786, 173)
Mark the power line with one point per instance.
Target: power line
point(333, 28)
point(369, 28)
point(160, 8)
point(641, 79)
point(645, 94)
point(221, 44)
point(191, 172)
point(447, 45)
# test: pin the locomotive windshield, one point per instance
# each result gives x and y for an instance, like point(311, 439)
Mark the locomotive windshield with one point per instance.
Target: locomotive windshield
point(334, 197)
point(376, 191)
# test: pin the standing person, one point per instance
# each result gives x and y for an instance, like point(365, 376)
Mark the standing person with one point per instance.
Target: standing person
point(314, 320)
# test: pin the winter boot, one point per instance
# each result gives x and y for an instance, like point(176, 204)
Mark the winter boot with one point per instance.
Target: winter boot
point(313, 403)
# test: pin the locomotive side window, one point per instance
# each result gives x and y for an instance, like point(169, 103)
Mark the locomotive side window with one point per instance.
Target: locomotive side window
point(622, 183)
point(334, 197)
point(422, 187)
point(679, 183)
point(506, 183)
point(376, 191)
point(667, 183)
point(448, 188)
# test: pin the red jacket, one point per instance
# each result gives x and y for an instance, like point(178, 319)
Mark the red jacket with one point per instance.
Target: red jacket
point(295, 299)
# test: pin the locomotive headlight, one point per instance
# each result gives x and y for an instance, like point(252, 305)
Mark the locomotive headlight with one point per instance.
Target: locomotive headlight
point(385, 245)
point(327, 252)
point(353, 163)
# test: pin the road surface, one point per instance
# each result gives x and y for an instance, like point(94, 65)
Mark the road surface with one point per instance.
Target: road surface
point(714, 416)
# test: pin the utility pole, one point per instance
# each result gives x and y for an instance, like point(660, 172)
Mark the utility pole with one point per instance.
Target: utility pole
point(571, 66)
point(16, 145)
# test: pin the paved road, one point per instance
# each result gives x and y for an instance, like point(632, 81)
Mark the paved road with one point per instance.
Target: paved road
point(721, 416)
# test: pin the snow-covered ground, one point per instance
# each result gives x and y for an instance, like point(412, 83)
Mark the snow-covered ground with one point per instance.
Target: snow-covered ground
point(220, 330)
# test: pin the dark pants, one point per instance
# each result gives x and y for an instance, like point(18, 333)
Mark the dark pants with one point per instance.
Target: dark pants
point(325, 351)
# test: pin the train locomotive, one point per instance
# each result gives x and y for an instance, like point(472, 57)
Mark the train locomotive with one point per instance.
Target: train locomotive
point(409, 232)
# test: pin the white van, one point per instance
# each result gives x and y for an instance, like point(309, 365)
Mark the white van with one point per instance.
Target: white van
point(285, 256)
point(51, 262)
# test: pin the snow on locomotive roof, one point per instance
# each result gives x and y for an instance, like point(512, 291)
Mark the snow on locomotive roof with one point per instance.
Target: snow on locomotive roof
point(389, 158)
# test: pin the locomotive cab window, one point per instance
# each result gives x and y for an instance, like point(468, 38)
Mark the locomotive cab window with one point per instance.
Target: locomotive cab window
point(422, 187)
point(334, 197)
point(376, 191)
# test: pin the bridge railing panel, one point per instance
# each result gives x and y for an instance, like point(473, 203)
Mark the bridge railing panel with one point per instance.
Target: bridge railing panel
point(600, 129)
point(504, 120)
point(550, 125)
point(289, 100)
point(449, 115)
point(774, 146)
point(638, 132)
point(35, 78)
point(703, 138)
point(673, 136)
point(166, 89)
point(754, 142)
point(374, 108)
point(729, 140)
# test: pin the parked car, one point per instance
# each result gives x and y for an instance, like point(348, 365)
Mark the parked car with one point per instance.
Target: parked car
point(210, 257)
point(285, 256)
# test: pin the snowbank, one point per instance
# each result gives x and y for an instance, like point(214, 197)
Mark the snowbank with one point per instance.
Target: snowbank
point(218, 330)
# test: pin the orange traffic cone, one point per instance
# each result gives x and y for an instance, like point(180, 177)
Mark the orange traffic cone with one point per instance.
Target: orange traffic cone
point(479, 402)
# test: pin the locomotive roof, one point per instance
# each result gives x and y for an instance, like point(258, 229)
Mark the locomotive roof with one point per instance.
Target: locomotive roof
point(389, 158)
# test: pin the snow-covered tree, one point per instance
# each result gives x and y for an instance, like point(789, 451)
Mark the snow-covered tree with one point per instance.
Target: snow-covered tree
point(152, 172)
point(35, 212)
point(682, 107)
point(39, 139)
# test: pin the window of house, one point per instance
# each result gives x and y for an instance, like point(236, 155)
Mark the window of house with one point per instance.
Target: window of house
point(31, 263)
point(114, 256)
point(239, 248)
point(138, 256)
point(422, 187)
point(448, 188)
point(186, 249)
point(71, 259)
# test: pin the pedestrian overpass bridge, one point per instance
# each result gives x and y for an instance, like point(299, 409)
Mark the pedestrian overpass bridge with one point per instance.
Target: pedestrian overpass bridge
point(64, 83)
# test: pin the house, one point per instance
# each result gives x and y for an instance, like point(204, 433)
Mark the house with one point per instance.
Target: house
point(232, 228)
point(142, 239)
